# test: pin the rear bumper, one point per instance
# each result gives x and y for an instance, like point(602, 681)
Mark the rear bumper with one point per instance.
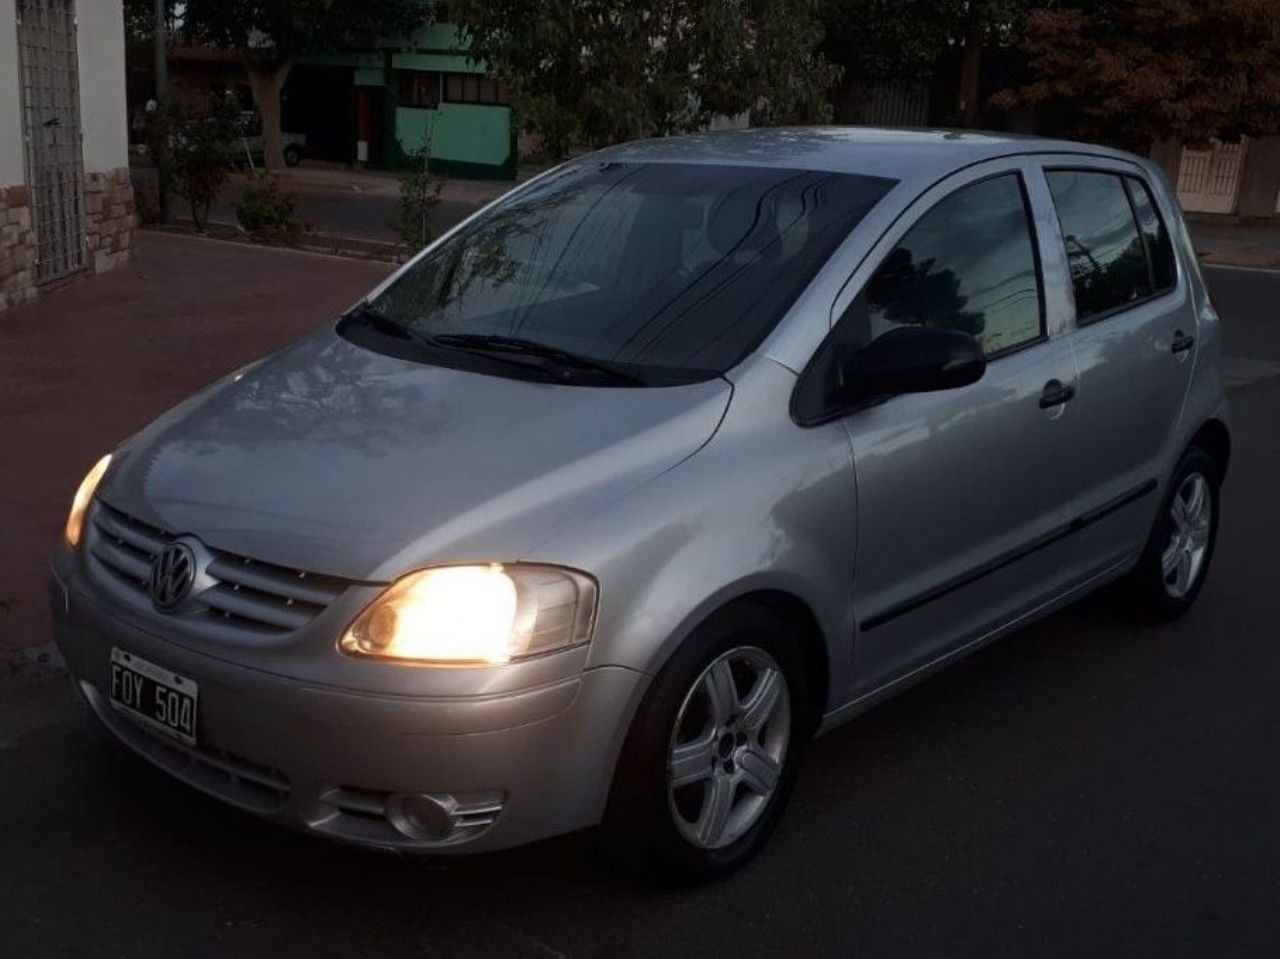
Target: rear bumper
point(391, 771)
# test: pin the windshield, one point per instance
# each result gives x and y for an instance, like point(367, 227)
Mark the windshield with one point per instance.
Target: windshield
point(671, 272)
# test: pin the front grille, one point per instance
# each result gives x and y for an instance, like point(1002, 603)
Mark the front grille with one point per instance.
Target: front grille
point(236, 591)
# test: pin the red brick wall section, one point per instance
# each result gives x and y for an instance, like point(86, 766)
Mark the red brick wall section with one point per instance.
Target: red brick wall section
point(109, 220)
point(17, 247)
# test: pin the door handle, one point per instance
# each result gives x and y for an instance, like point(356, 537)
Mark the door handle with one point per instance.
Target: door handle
point(1056, 393)
point(1181, 342)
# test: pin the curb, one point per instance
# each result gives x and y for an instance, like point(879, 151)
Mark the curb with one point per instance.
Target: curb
point(316, 244)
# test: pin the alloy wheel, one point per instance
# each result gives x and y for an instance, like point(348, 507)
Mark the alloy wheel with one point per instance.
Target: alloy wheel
point(728, 747)
point(1191, 520)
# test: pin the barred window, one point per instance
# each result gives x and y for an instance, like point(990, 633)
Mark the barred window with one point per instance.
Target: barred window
point(473, 88)
point(420, 88)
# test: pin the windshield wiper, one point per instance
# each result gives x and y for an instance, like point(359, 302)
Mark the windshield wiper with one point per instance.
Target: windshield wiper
point(371, 316)
point(565, 361)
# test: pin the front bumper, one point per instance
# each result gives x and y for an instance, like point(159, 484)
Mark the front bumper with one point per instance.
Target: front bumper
point(392, 771)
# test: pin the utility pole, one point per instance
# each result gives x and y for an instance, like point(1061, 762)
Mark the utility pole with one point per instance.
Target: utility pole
point(160, 36)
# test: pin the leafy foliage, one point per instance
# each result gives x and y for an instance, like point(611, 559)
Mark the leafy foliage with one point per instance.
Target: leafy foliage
point(278, 29)
point(268, 214)
point(191, 141)
point(271, 34)
point(905, 40)
point(419, 194)
point(592, 72)
point(1136, 71)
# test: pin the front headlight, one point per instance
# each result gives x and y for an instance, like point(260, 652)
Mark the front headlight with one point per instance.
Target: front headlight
point(459, 615)
point(84, 496)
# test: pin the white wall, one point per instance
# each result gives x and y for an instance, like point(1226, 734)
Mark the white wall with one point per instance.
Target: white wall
point(103, 112)
point(11, 163)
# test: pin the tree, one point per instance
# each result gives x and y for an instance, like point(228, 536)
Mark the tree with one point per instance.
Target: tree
point(270, 35)
point(593, 72)
point(904, 39)
point(1138, 71)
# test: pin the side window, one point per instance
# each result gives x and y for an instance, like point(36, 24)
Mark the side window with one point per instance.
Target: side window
point(1104, 248)
point(1154, 233)
point(968, 264)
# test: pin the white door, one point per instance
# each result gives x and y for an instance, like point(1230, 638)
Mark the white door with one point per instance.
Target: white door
point(1208, 180)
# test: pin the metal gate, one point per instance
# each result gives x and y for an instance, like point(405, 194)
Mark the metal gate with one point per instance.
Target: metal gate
point(51, 133)
point(1208, 180)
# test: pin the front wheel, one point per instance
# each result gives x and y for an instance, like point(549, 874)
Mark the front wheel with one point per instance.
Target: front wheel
point(712, 755)
point(292, 155)
point(1175, 563)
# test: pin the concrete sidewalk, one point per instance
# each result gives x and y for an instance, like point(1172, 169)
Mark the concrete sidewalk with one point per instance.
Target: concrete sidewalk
point(1235, 241)
point(83, 367)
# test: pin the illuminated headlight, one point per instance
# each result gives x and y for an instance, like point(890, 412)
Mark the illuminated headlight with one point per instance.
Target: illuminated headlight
point(84, 496)
point(475, 615)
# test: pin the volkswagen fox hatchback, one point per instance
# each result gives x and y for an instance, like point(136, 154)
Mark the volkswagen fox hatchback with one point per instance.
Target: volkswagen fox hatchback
point(598, 509)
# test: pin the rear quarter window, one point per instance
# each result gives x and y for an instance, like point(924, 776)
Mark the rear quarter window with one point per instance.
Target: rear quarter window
point(1155, 234)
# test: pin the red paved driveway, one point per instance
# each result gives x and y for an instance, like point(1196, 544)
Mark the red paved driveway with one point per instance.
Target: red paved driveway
point(83, 367)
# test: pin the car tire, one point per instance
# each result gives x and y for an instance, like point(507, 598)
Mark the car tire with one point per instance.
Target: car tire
point(292, 156)
point(1175, 561)
point(714, 822)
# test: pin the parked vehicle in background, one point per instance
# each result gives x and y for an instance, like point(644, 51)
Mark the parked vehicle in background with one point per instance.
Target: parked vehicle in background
point(603, 505)
point(252, 141)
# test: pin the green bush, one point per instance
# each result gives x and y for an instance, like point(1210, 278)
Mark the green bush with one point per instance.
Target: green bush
point(267, 214)
point(192, 143)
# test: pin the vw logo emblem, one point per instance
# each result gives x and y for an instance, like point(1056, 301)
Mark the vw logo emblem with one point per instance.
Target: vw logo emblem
point(172, 573)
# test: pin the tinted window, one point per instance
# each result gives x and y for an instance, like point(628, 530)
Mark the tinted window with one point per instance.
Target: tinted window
point(1104, 249)
point(670, 269)
point(968, 264)
point(1154, 234)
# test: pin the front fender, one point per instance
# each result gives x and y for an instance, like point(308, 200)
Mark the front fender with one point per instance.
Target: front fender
point(765, 505)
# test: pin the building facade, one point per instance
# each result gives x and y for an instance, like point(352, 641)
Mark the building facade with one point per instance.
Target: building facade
point(386, 108)
point(66, 205)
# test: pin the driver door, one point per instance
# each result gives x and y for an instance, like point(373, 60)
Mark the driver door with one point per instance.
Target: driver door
point(962, 494)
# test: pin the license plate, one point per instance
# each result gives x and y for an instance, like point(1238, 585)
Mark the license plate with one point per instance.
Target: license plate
point(150, 693)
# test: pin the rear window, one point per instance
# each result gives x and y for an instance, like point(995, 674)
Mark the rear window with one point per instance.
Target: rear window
point(1105, 250)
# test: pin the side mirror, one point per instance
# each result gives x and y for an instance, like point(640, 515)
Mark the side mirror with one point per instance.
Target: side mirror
point(914, 359)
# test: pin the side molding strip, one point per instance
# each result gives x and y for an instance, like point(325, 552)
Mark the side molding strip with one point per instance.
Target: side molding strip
point(1006, 559)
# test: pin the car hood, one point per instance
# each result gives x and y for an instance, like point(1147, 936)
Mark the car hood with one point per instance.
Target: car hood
point(335, 459)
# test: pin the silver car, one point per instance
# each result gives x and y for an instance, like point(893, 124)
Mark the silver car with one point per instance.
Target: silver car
point(600, 508)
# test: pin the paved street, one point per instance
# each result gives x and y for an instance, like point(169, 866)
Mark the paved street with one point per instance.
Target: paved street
point(1087, 788)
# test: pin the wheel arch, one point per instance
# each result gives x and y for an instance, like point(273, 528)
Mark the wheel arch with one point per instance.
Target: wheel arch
point(1214, 438)
point(803, 623)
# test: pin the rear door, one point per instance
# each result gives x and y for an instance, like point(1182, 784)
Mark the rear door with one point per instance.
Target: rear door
point(961, 494)
point(1134, 342)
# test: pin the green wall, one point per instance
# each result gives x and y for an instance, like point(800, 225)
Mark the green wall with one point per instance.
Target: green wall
point(466, 139)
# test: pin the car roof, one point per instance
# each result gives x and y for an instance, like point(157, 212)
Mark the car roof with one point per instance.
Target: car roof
point(898, 153)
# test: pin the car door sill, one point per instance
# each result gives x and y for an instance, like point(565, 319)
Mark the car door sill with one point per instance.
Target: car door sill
point(861, 704)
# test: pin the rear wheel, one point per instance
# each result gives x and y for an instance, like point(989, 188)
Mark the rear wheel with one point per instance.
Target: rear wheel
point(712, 755)
point(1175, 563)
point(292, 155)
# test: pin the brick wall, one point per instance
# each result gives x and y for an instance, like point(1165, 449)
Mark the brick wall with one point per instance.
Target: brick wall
point(17, 247)
point(108, 226)
point(108, 231)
